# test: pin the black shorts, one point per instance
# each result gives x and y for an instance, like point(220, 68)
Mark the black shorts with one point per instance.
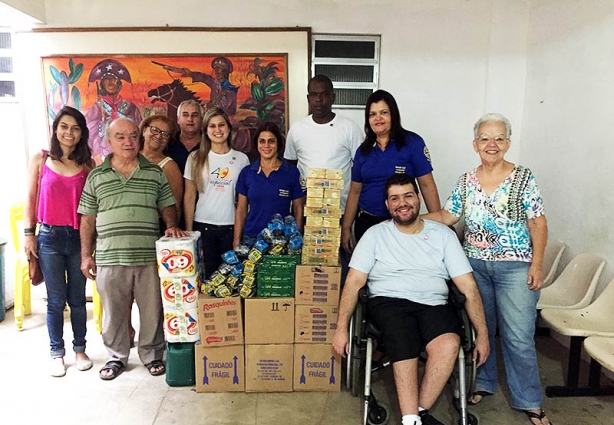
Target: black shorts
point(407, 327)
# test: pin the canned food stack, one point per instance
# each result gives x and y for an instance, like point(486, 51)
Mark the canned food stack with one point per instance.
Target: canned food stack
point(179, 263)
point(237, 275)
point(322, 236)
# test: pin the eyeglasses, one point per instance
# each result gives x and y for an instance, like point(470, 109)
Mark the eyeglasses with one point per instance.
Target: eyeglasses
point(157, 132)
point(483, 139)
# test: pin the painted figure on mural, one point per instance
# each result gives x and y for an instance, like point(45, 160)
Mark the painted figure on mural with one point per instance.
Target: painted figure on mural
point(108, 75)
point(223, 92)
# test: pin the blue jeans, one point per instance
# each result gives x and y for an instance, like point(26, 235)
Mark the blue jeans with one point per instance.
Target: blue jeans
point(512, 306)
point(59, 253)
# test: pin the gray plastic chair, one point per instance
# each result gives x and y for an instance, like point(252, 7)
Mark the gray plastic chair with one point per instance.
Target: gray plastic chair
point(576, 285)
point(552, 258)
point(597, 319)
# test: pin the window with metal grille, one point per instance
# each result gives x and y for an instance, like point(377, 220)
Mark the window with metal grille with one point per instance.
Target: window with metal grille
point(352, 64)
point(7, 76)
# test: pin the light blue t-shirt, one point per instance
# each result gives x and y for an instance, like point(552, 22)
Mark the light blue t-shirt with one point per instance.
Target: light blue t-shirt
point(413, 267)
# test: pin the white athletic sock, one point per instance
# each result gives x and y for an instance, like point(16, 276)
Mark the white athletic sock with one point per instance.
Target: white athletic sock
point(411, 420)
point(420, 409)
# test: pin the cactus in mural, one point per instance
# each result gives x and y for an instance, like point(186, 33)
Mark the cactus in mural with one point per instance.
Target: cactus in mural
point(265, 100)
point(62, 87)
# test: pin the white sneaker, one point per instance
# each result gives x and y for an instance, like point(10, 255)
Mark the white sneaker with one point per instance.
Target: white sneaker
point(57, 368)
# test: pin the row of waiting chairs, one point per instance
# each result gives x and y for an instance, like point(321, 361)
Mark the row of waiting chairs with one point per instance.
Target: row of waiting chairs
point(566, 308)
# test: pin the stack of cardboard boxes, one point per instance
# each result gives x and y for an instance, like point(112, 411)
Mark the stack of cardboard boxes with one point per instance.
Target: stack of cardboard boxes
point(220, 357)
point(316, 366)
point(322, 234)
point(287, 340)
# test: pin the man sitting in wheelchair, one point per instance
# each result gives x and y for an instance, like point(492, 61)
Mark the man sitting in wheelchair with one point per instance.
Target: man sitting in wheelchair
point(405, 263)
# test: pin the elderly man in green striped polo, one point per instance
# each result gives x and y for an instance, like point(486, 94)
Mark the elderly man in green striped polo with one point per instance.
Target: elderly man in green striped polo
point(119, 206)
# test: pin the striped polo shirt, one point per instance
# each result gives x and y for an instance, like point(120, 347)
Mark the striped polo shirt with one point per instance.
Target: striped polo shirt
point(126, 211)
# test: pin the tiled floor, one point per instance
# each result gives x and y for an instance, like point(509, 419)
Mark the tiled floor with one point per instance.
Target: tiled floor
point(28, 395)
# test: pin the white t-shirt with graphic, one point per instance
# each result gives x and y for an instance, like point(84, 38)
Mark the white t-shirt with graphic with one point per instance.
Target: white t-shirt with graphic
point(216, 205)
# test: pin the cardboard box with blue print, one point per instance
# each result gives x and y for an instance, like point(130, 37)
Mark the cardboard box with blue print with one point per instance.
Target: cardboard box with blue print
point(220, 369)
point(315, 324)
point(316, 368)
point(220, 321)
point(317, 285)
point(268, 368)
point(269, 320)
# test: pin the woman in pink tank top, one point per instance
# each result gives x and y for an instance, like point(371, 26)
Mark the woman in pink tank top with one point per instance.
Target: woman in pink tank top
point(57, 178)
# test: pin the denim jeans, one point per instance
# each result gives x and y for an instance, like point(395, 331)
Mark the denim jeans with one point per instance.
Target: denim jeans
point(511, 306)
point(59, 253)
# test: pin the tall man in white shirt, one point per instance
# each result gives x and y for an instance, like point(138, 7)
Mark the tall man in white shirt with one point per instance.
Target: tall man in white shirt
point(324, 140)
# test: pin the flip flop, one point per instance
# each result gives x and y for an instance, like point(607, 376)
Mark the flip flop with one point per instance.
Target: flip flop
point(156, 364)
point(114, 366)
point(540, 416)
point(478, 393)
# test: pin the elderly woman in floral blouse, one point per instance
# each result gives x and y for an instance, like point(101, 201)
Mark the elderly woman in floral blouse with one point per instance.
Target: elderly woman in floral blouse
point(505, 236)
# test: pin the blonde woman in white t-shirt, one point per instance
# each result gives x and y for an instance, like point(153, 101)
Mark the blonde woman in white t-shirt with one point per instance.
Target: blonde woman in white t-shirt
point(212, 172)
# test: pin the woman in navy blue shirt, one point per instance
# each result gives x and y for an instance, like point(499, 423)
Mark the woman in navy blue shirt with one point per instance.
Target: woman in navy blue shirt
point(269, 186)
point(388, 148)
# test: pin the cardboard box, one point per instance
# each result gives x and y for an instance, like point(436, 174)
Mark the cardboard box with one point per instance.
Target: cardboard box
point(181, 326)
point(316, 368)
point(315, 323)
point(323, 202)
point(333, 241)
point(219, 369)
point(320, 221)
point(321, 260)
point(269, 320)
point(317, 285)
point(268, 368)
point(324, 212)
point(180, 292)
point(220, 321)
point(178, 257)
point(324, 183)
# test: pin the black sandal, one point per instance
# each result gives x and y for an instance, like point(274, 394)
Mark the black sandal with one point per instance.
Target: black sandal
point(114, 366)
point(478, 393)
point(540, 416)
point(156, 364)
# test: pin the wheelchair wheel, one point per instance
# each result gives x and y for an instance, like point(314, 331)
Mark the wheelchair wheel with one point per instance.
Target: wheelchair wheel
point(380, 415)
point(355, 354)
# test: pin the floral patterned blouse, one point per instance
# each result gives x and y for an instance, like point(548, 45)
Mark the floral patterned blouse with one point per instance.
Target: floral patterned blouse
point(496, 225)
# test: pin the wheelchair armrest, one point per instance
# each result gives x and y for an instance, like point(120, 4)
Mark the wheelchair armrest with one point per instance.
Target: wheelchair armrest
point(363, 296)
point(455, 296)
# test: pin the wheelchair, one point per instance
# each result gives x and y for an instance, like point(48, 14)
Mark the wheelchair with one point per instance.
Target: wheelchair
point(364, 337)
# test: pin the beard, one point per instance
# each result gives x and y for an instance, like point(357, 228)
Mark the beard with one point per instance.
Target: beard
point(405, 220)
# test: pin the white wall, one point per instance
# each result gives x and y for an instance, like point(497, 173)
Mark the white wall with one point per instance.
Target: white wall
point(568, 138)
point(547, 65)
point(446, 61)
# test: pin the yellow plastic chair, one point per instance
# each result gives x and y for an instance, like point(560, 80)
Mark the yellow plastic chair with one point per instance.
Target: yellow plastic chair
point(97, 307)
point(23, 304)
